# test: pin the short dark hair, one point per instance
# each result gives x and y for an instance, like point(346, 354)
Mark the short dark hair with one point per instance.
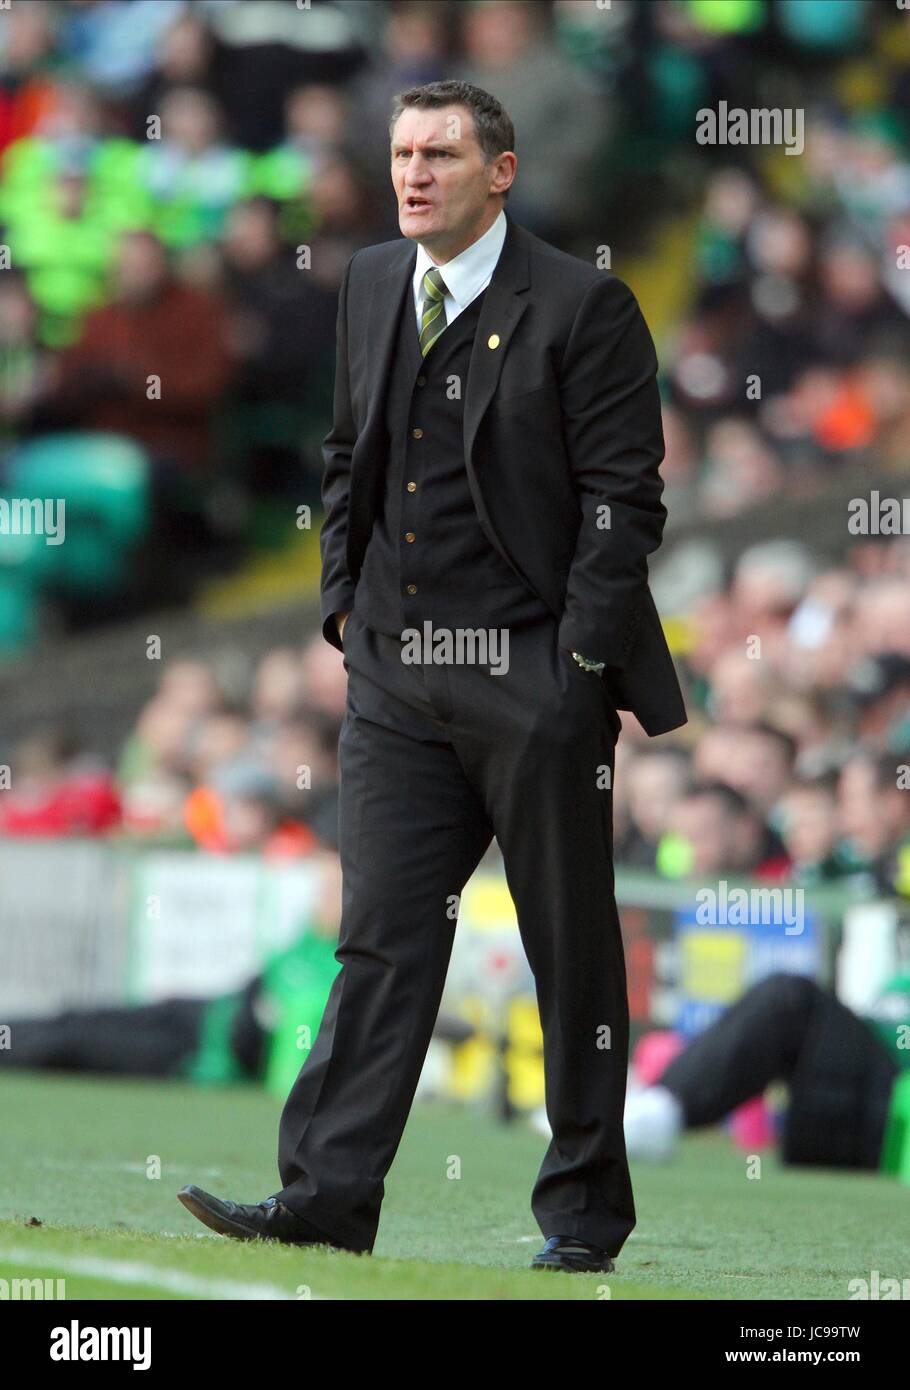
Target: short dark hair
point(492, 124)
point(728, 798)
point(817, 784)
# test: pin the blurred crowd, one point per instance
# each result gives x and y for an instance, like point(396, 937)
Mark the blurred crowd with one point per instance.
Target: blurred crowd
point(796, 764)
point(794, 768)
point(182, 185)
point(252, 771)
point(162, 167)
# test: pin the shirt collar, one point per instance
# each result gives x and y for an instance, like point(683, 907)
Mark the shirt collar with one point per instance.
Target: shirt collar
point(466, 274)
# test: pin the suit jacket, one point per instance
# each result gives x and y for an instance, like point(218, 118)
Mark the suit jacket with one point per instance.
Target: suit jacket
point(562, 444)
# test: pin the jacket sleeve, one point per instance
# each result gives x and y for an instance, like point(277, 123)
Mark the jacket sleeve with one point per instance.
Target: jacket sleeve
point(337, 588)
point(614, 442)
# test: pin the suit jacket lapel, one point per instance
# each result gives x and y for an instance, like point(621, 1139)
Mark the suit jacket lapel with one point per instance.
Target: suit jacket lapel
point(503, 305)
point(382, 326)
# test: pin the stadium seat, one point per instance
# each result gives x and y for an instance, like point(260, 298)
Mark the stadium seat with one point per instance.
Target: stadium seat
point(18, 611)
point(104, 482)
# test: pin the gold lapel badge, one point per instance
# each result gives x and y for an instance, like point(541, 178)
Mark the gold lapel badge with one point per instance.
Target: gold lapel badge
point(493, 340)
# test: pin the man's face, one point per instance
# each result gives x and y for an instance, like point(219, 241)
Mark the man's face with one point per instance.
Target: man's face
point(441, 182)
point(809, 825)
point(141, 268)
point(720, 841)
point(700, 821)
point(858, 810)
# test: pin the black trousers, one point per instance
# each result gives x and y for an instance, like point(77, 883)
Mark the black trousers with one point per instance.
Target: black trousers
point(148, 1040)
point(434, 761)
point(789, 1029)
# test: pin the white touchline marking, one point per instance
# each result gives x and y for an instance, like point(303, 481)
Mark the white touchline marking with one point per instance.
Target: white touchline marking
point(132, 1272)
point(135, 1167)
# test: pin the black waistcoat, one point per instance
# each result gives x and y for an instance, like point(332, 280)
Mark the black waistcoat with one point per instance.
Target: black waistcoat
point(427, 557)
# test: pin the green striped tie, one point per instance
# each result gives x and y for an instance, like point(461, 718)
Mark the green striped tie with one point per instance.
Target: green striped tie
point(433, 316)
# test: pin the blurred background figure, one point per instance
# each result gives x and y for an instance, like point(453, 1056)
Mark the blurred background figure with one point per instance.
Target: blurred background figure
point(841, 1072)
point(151, 364)
point(238, 1037)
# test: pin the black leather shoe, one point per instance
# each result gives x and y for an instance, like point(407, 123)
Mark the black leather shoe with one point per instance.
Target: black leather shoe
point(574, 1256)
point(268, 1220)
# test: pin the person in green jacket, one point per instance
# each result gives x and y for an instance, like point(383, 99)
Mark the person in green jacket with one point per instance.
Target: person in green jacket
point(253, 1034)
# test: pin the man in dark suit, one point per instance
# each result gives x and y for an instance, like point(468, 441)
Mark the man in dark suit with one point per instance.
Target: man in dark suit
point(492, 494)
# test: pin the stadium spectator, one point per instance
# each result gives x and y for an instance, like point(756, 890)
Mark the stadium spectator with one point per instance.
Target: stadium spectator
point(714, 830)
point(59, 788)
point(151, 365)
point(411, 51)
point(281, 327)
point(242, 810)
point(653, 784)
point(875, 814)
point(191, 171)
point(115, 43)
point(810, 831)
point(27, 90)
point(185, 55)
point(560, 119)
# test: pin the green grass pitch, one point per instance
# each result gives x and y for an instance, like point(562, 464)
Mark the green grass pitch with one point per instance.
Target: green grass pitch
point(75, 1156)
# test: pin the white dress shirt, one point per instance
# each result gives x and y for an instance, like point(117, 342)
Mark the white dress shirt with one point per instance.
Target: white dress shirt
point(466, 274)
